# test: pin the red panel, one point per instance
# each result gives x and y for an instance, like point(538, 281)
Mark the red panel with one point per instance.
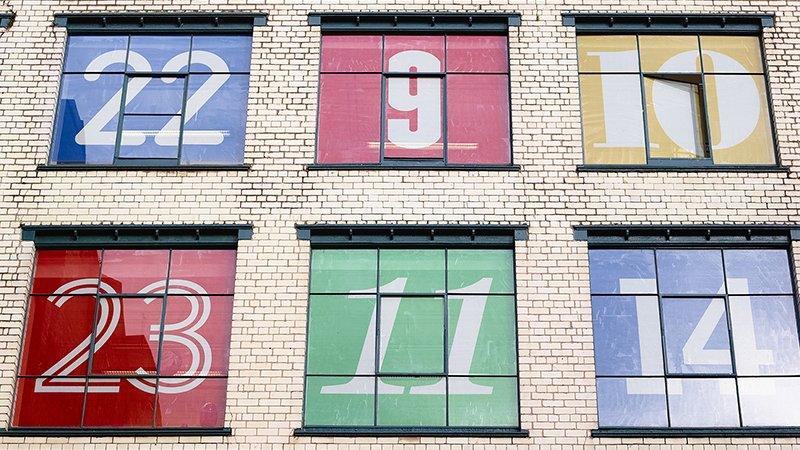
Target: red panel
point(213, 270)
point(52, 409)
point(349, 119)
point(477, 119)
point(428, 44)
point(133, 343)
point(351, 53)
point(414, 111)
point(212, 326)
point(133, 270)
point(130, 407)
point(54, 268)
point(477, 54)
point(203, 406)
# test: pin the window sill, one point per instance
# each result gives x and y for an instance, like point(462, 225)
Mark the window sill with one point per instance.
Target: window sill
point(630, 168)
point(412, 431)
point(111, 432)
point(507, 168)
point(697, 432)
point(93, 167)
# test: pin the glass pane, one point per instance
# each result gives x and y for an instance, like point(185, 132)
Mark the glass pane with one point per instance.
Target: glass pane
point(412, 271)
point(326, 406)
point(613, 125)
point(160, 95)
point(412, 335)
point(344, 271)
point(216, 115)
point(103, 408)
point(141, 138)
point(765, 335)
point(213, 271)
point(738, 116)
point(234, 51)
point(488, 54)
point(201, 407)
point(675, 118)
point(414, 53)
point(341, 334)
point(731, 54)
point(411, 402)
point(349, 119)
point(494, 406)
point(98, 53)
point(607, 54)
point(414, 118)
point(770, 401)
point(480, 271)
point(669, 54)
point(757, 272)
point(131, 271)
point(481, 335)
point(696, 335)
point(83, 135)
point(478, 129)
point(627, 335)
point(631, 402)
point(697, 402)
point(55, 268)
point(622, 272)
point(47, 409)
point(690, 272)
point(161, 52)
point(125, 333)
point(351, 53)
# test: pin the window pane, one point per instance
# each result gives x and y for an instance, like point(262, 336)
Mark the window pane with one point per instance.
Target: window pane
point(690, 272)
point(477, 119)
point(613, 125)
point(477, 54)
point(351, 53)
point(738, 115)
point(107, 51)
point(413, 118)
point(343, 271)
point(130, 271)
point(631, 402)
point(341, 334)
point(103, 408)
point(765, 335)
point(54, 268)
point(141, 138)
point(731, 54)
point(343, 407)
point(480, 271)
point(627, 335)
point(158, 51)
point(770, 401)
point(607, 54)
point(481, 335)
point(412, 334)
point(414, 53)
point(696, 335)
point(675, 54)
point(757, 272)
point(697, 402)
point(495, 408)
point(214, 271)
point(675, 118)
point(412, 271)
point(622, 272)
point(349, 119)
point(202, 406)
point(413, 408)
point(47, 409)
point(160, 95)
point(214, 130)
point(233, 50)
point(130, 347)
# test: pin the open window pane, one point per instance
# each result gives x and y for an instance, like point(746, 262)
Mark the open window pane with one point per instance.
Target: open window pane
point(349, 119)
point(676, 117)
point(627, 335)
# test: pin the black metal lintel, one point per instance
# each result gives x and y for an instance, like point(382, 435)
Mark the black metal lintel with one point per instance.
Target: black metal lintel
point(113, 432)
point(683, 235)
point(128, 236)
point(223, 22)
point(697, 432)
point(6, 19)
point(412, 234)
point(477, 22)
point(667, 23)
point(412, 431)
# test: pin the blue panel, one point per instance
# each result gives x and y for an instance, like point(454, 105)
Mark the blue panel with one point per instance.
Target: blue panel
point(765, 335)
point(690, 272)
point(631, 402)
point(758, 272)
point(82, 50)
point(696, 335)
point(158, 51)
point(703, 402)
point(234, 51)
point(618, 347)
point(161, 95)
point(633, 269)
point(140, 138)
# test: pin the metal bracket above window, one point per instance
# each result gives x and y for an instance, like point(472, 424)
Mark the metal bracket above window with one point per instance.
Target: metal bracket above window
point(668, 23)
point(152, 22)
point(121, 236)
point(686, 235)
point(478, 22)
point(6, 19)
point(422, 235)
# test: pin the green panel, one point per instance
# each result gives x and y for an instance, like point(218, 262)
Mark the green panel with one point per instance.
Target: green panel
point(498, 409)
point(467, 267)
point(343, 271)
point(422, 269)
point(339, 409)
point(337, 328)
point(416, 343)
point(409, 409)
point(496, 346)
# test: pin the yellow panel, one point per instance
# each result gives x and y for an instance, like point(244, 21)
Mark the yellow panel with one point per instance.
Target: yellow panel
point(669, 54)
point(731, 54)
point(738, 118)
point(675, 119)
point(607, 54)
point(611, 112)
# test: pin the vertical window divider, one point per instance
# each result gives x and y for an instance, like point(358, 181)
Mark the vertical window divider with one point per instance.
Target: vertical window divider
point(665, 362)
point(377, 355)
point(382, 127)
point(646, 134)
point(730, 335)
point(122, 102)
point(90, 357)
point(165, 299)
point(444, 104)
point(706, 123)
point(185, 100)
point(446, 363)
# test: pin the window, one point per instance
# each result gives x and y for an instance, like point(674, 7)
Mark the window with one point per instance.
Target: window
point(695, 337)
point(674, 100)
point(414, 100)
point(126, 338)
point(443, 321)
point(153, 99)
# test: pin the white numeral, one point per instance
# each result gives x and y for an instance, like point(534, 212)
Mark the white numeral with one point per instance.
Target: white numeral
point(427, 101)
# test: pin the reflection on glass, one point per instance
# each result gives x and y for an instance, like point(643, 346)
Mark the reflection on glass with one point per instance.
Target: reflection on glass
point(406, 407)
point(631, 402)
point(356, 408)
point(622, 272)
point(690, 272)
point(339, 328)
point(669, 54)
point(411, 335)
point(423, 271)
point(770, 401)
point(627, 335)
point(698, 402)
point(731, 54)
point(607, 54)
point(498, 409)
point(758, 271)
point(765, 335)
